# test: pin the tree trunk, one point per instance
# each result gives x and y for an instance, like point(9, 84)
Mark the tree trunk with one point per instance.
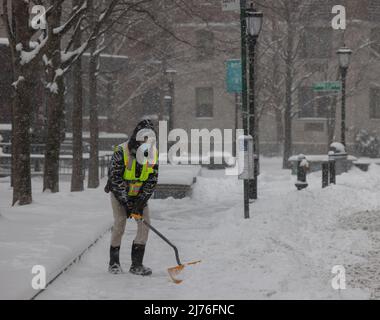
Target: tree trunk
point(13, 171)
point(23, 75)
point(288, 144)
point(55, 102)
point(279, 126)
point(22, 186)
point(53, 140)
point(93, 174)
point(77, 120)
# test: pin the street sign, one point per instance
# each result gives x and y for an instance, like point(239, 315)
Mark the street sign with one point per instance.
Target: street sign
point(331, 86)
point(234, 76)
point(230, 5)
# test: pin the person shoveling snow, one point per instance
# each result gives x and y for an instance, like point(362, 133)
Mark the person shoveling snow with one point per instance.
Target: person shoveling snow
point(132, 179)
point(132, 183)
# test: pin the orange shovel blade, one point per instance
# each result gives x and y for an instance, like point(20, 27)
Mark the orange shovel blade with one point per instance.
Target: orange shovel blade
point(174, 271)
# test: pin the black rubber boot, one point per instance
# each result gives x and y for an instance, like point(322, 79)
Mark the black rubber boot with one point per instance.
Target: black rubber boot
point(137, 255)
point(114, 265)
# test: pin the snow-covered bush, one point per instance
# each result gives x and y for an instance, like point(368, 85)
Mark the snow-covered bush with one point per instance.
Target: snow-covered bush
point(367, 145)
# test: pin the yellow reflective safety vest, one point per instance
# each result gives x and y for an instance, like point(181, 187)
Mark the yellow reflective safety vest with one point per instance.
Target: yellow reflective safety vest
point(129, 175)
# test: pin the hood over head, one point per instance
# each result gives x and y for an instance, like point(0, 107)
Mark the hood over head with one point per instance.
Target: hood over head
point(133, 144)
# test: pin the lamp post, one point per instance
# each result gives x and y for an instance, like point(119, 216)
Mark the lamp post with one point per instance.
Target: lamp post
point(254, 20)
point(170, 73)
point(244, 96)
point(344, 55)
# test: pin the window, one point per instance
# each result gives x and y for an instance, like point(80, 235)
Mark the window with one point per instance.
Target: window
point(305, 102)
point(322, 104)
point(204, 102)
point(314, 126)
point(374, 101)
point(375, 41)
point(151, 102)
point(316, 43)
point(373, 10)
point(314, 67)
point(313, 105)
point(205, 44)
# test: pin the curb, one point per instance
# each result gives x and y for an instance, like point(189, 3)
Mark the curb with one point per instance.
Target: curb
point(71, 263)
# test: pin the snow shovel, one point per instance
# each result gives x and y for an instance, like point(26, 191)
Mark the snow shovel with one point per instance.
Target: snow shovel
point(173, 271)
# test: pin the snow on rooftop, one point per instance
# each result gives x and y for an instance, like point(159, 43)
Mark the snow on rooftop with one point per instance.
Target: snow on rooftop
point(5, 126)
point(99, 118)
point(4, 41)
point(102, 135)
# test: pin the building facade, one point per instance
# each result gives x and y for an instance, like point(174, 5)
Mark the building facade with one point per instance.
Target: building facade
point(201, 99)
point(207, 39)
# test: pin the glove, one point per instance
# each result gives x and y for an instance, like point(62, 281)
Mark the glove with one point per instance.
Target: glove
point(139, 207)
point(129, 208)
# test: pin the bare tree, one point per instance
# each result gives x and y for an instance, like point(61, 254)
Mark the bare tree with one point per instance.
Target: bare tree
point(284, 67)
point(59, 62)
point(55, 92)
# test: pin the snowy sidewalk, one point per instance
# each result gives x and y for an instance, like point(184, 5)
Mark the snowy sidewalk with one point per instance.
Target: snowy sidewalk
point(50, 232)
point(286, 250)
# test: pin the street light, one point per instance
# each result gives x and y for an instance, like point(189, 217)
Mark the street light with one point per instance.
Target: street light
point(344, 55)
point(254, 21)
point(170, 73)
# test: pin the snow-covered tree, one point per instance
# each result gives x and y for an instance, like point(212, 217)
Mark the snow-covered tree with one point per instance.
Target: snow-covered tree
point(23, 54)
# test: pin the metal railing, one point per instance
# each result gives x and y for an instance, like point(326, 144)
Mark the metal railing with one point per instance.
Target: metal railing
point(103, 165)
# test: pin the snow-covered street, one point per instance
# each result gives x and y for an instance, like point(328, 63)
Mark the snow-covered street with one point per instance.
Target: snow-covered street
point(285, 251)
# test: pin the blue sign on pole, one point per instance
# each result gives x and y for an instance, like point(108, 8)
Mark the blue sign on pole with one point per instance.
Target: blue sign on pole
point(234, 76)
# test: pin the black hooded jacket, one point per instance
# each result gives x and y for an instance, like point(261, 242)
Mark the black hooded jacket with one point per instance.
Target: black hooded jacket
point(116, 183)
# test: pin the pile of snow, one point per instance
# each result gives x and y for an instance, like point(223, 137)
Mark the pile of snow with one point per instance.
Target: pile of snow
point(338, 148)
point(50, 232)
point(318, 158)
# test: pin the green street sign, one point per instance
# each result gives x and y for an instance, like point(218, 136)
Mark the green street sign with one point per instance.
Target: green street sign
point(234, 76)
point(330, 86)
